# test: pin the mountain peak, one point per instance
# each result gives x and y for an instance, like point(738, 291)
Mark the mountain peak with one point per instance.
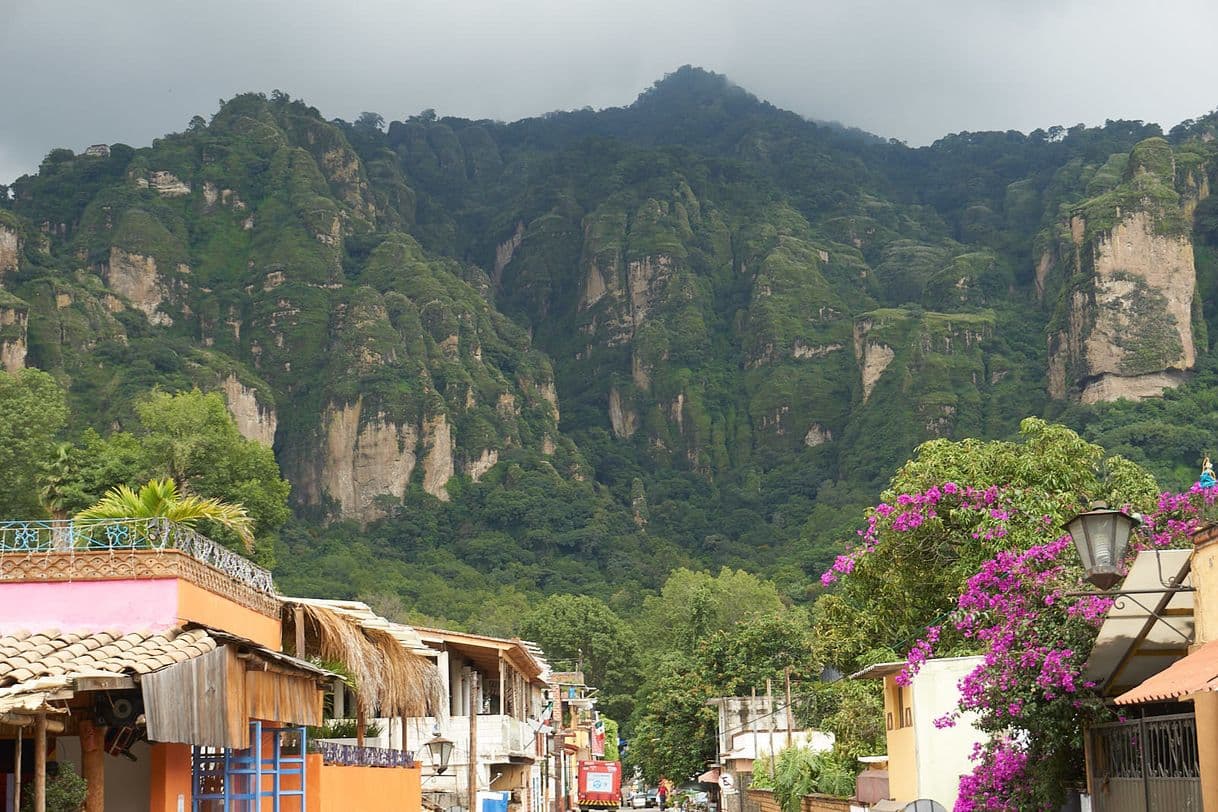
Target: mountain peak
point(690, 84)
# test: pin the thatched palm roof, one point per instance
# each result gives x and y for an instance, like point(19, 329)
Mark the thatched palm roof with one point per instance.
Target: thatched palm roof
point(388, 674)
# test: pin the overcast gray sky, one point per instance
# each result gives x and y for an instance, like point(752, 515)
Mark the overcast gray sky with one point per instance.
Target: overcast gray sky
point(76, 73)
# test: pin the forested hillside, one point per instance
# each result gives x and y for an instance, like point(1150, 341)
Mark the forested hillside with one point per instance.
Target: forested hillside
point(573, 353)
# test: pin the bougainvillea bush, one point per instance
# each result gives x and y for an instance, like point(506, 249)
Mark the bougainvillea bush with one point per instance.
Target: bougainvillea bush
point(1015, 576)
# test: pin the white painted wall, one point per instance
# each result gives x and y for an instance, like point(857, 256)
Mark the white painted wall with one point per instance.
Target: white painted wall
point(943, 754)
point(128, 783)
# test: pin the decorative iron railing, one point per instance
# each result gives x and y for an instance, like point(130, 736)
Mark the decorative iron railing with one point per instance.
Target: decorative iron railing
point(129, 535)
point(352, 755)
point(1146, 763)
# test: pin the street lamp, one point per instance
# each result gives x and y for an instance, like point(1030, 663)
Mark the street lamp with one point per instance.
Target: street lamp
point(1101, 536)
point(439, 749)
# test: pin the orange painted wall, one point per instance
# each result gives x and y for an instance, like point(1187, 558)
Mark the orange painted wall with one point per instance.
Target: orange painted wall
point(201, 606)
point(170, 777)
point(368, 789)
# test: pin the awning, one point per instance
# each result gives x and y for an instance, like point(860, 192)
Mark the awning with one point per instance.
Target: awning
point(711, 776)
point(1194, 674)
point(1136, 642)
point(879, 670)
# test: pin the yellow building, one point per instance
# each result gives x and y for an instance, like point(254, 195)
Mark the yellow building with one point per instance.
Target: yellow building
point(925, 762)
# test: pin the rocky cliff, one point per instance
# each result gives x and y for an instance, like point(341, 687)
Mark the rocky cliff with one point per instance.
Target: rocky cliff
point(1127, 320)
point(725, 298)
point(14, 338)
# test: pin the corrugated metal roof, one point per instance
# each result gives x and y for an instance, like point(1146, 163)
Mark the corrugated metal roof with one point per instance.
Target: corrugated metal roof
point(1193, 674)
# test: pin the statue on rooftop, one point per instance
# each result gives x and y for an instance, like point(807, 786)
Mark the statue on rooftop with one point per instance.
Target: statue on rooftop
point(1207, 479)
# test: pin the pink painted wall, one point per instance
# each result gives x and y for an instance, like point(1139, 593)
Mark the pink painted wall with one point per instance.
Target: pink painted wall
point(70, 606)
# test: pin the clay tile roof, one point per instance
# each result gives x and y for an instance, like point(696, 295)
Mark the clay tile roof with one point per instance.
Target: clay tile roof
point(26, 656)
point(1196, 673)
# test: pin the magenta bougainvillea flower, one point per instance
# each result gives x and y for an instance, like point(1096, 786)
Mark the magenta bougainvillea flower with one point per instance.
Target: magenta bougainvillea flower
point(1028, 692)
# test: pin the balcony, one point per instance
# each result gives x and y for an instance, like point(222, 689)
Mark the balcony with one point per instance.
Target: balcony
point(51, 550)
point(500, 738)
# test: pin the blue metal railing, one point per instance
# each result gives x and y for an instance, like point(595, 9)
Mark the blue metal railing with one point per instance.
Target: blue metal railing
point(123, 535)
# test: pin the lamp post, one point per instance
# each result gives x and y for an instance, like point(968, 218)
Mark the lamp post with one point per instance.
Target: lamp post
point(1101, 536)
point(440, 750)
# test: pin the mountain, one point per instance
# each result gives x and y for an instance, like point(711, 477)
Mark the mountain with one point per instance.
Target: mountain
point(574, 351)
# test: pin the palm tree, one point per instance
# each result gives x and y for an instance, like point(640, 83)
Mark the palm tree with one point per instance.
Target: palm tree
point(53, 495)
point(160, 498)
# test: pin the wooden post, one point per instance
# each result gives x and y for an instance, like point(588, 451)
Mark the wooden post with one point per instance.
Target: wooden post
point(298, 614)
point(502, 685)
point(473, 740)
point(92, 754)
point(361, 720)
point(40, 763)
point(790, 721)
point(17, 767)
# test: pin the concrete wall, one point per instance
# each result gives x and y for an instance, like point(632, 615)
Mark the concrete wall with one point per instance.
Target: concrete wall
point(141, 604)
point(368, 789)
point(943, 754)
point(128, 783)
point(209, 609)
point(170, 777)
point(89, 606)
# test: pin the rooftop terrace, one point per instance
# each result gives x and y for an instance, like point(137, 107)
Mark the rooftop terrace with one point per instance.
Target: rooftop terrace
point(57, 550)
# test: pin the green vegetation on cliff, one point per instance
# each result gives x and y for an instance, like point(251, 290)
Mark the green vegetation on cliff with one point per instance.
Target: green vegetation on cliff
point(575, 352)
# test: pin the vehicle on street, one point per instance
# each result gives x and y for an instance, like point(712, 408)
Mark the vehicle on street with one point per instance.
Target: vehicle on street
point(600, 785)
point(639, 800)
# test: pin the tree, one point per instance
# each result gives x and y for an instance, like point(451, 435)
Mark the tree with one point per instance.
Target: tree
point(65, 790)
point(982, 566)
point(694, 605)
point(160, 498)
point(191, 437)
point(583, 628)
point(952, 507)
point(760, 647)
point(33, 410)
point(674, 727)
point(55, 481)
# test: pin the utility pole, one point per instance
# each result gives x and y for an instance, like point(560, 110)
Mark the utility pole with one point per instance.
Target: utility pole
point(790, 721)
point(473, 741)
point(769, 694)
point(560, 741)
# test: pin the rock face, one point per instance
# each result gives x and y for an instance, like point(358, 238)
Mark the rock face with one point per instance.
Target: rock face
point(135, 278)
point(14, 343)
point(505, 251)
point(477, 468)
point(817, 435)
point(873, 357)
point(438, 464)
point(254, 420)
point(364, 459)
point(1124, 326)
point(10, 249)
point(165, 184)
point(622, 419)
point(1131, 335)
